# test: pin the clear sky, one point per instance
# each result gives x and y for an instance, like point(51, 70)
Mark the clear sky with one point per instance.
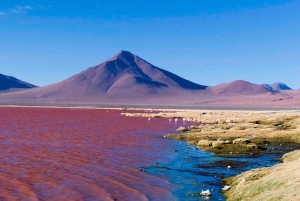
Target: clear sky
point(206, 41)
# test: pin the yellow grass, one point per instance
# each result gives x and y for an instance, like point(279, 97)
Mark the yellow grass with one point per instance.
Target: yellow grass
point(281, 182)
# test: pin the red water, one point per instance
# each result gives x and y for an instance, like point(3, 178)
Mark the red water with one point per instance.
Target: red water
point(81, 154)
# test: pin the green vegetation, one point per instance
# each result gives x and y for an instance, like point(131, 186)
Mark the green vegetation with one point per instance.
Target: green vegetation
point(243, 136)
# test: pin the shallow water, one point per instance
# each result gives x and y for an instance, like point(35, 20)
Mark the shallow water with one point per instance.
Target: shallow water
point(81, 154)
point(195, 170)
point(88, 154)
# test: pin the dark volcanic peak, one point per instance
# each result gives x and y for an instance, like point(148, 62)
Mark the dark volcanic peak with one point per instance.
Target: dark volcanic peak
point(239, 87)
point(277, 86)
point(9, 82)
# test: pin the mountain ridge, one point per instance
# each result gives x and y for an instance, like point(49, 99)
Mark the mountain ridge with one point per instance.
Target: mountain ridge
point(124, 75)
point(277, 86)
point(9, 82)
point(241, 87)
point(126, 78)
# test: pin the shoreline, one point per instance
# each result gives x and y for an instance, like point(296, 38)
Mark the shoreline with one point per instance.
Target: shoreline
point(153, 106)
point(251, 128)
point(261, 131)
point(279, 182)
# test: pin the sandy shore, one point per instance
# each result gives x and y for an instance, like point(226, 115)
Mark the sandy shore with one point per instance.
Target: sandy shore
point(229, 132)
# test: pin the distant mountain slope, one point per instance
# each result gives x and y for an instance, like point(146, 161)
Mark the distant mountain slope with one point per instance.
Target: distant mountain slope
point(277, 86)
point(9, 82)
point(124, 76)
point(238, 87)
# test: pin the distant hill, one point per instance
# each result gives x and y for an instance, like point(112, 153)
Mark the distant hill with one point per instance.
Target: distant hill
point(277, 86)
point(126, 79)
point(239, 87)
point(124, 76)
point(11, 83)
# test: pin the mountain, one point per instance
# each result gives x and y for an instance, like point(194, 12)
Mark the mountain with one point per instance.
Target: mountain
point(124, 76)
point(240, 87)
point(277, 86)
point(10, 83)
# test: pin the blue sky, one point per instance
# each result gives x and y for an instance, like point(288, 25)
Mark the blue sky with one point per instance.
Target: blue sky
point(208, 41)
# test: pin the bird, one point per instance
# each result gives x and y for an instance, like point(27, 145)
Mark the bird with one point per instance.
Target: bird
point(226, 188)
point(170, 120)
point(149, 118)
point(205, 193)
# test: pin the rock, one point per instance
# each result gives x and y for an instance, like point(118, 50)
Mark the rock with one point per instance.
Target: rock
point(204, 143)
point(182, 129)
point(241, 141)
point(227, 142)
point(218, 143)
point(252, 145)
point(193, 127)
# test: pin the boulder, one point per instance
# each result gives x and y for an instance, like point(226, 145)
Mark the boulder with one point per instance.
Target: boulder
point(252, 145)
point(193, 127)
point(218, 143)
point(241, 141)
point(203, 143)
point(182, 129)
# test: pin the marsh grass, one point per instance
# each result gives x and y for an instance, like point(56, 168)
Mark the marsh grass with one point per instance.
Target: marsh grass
point(259, 130)
point(280, 182)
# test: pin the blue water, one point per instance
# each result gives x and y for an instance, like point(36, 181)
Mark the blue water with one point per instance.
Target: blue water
point(194, 170)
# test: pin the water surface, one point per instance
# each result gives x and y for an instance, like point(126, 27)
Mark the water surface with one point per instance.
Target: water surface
point(81, 154)
point(95, 154)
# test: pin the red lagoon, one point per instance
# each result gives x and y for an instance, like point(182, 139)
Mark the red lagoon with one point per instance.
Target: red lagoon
point(81, 154)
